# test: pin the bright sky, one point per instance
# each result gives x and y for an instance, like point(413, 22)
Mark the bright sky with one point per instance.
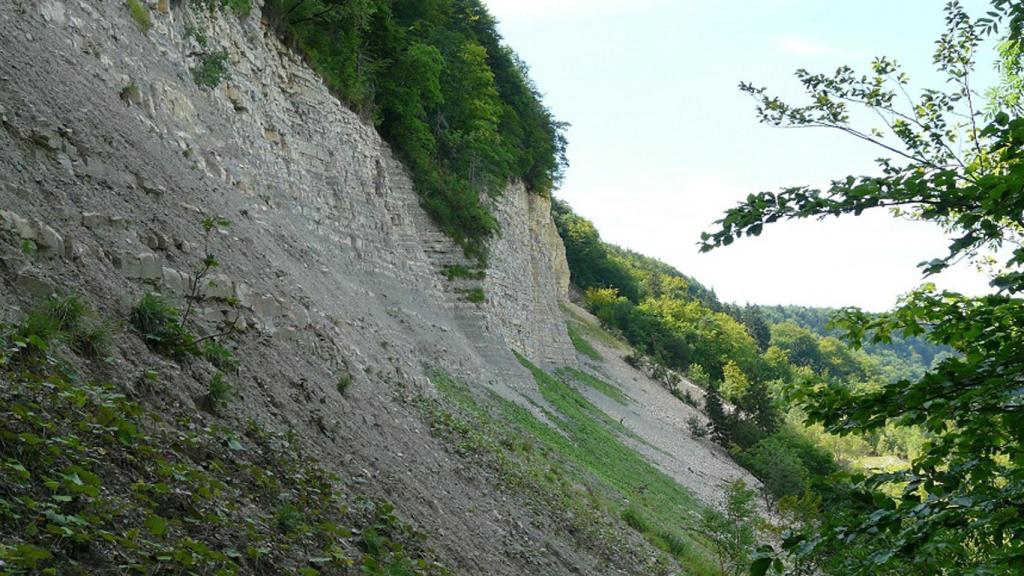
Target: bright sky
point(662, 142)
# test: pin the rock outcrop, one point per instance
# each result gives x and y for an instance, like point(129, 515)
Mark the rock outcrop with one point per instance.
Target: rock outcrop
point(110, 157)
point(276, 147)
point(529, 278)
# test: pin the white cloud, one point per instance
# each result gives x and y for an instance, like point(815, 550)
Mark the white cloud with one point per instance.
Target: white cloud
point(550, 9)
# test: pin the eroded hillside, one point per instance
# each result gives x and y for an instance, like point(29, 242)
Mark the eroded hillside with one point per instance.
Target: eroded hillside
point(355, 339)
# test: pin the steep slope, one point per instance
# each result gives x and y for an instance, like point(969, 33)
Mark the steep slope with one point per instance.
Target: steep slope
point(656, 416)
point(325, 255)
point(111, 156)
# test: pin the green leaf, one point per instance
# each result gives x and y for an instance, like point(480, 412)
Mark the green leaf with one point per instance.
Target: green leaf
point(30, 555)
point(156, 525)
point(760, 566)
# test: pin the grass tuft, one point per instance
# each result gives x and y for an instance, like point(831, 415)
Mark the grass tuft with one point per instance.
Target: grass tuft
point(140, 14)
point(475, 295)
point(458, 271)
point(160, 325)
point(91, 341)
point(344, 383)
point(219, 391)
point(212, 69)
point(62, 319)
point(220, 356)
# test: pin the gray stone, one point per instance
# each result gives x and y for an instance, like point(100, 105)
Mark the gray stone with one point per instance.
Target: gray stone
point(20, 226)
point(175, 282)
point(48, 138)
point(299, 316)
point(235, 97)
point(184, 246)
point(69, 215)
point(243, 293)
point(32, 286)
point(150, 187)
point(284, 333)
point(50, 242)
point(265, 307)
point(218, 286)
point(142, 266)
point(155, 240)
point(94, 220)
point(53, 11)
point(65, 162)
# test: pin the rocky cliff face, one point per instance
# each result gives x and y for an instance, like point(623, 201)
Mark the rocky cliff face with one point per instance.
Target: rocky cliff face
point(111, 154)
point(146, 149)
point(531, 279)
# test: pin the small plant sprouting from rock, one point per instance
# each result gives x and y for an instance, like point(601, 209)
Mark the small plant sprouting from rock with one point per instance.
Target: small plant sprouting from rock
point(686, 397)
point(457, 271)
point(220, 356)
point(289, 519)
point(131, 94)
point(696, 427)
point(212, 69)
point(208, 264)
point(140, 14)
point(91, 340)
point(344, 383)
point(160, 325)
point(474, 295)
point(198, 35)
point(165, 327)
point(219, 391)
point(240, 8)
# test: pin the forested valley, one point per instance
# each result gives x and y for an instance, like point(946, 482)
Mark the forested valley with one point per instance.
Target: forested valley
point(892, 442)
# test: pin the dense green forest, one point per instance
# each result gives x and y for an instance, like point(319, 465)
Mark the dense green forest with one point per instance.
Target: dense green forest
point(890, 442)
point(454, 102)
point(743, 358)
point(901, 357)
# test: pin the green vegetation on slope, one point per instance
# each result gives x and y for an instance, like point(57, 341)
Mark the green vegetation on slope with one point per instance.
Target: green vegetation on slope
point(454, 102)
point(94, 483)
point(580, 463)
point(600, 385)
point(903, 358)
point(579, 341)
point(742, 359)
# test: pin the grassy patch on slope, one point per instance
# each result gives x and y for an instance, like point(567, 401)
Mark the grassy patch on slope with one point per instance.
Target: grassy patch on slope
point(579, 464)
point(586, 328)
point(650, 493)
point(582, 345)
point(601, 386)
